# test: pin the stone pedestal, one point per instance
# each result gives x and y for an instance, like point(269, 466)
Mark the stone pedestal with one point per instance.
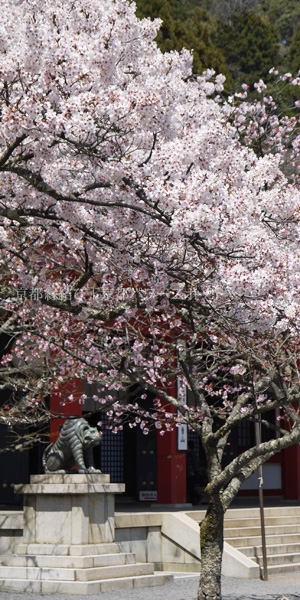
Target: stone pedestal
point(69, 509)
point(68, 543)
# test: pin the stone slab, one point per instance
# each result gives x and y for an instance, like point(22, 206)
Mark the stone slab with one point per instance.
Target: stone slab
point(184, 534)
point(136, 582)
point(70, 587)
point(129, 570)
point(49, 549)
point(72, 562)
point(70, 478)
point(8, 542)
point(236, 564)
point(87, 549)
point(178, 567)
point(83, 587)
point(69, 488)
point(116, 584)
point(154, 545)
point(125, 520)
point(21, 585)
point(37, 573)
point(11, 520)
point(8, 572)
point(171, 552)
point(152, 581)
point(67, 550)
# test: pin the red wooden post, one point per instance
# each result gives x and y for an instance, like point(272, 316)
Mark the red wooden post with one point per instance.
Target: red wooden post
point(171, 468)
point(57, 405)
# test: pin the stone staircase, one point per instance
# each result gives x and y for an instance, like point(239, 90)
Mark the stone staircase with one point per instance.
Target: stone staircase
point(242, 531)
point(75, 569)
point(68, 543)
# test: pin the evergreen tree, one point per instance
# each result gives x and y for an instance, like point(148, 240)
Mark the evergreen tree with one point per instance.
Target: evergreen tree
point(294, 53)
point(285, 15)
point(225, 9)
point(200, 34)
point(179, 30)
point(250, 45)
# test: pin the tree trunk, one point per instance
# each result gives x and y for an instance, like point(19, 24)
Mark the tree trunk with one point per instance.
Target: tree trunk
point(211, 542)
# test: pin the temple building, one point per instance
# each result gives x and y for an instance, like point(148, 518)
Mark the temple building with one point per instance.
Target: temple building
point(153, 467)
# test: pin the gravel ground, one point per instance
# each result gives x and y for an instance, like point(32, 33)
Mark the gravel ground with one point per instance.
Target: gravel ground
point(279, 587)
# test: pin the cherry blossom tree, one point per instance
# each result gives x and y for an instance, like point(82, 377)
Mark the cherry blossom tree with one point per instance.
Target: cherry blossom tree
point(143, 240)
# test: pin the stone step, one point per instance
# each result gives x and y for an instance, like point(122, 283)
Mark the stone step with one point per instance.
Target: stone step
point(283, 568)
point(243, 531)
point(253, 551)
point(233, 513)
point(83, 587)
point(279, 559)
point(115, 572)
point(255, 522)
point(69, 574)
point(254, 531)
point(244, 513)
point(274, 539)
point(76, 562)
point(68, 550)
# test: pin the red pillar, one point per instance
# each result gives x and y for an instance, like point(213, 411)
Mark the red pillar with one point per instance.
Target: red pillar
point(57, 405)
point(171, 468)
point(291, 484)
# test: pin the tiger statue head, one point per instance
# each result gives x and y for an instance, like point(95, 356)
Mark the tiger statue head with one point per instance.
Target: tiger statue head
point(88, 436)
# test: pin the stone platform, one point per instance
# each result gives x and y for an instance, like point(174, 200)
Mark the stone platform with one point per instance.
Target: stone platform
point(68, 541)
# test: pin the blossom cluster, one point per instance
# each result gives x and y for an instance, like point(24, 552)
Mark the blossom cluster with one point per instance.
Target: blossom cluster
point(136, 211)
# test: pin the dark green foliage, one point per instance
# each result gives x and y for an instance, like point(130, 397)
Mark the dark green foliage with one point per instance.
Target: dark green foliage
point(224, 9)
point(199, 36)
point(171, 10)
point(285, 14)
point(181, 29)
point(241, 38)
point(294, 55)
point(171, 33)
point(251, 47)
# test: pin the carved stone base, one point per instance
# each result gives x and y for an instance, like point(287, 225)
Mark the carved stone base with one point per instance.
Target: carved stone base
point(68, 544)
point(69, 509)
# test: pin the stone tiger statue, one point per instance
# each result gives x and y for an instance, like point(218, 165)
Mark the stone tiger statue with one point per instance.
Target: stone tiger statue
point(73, 446)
